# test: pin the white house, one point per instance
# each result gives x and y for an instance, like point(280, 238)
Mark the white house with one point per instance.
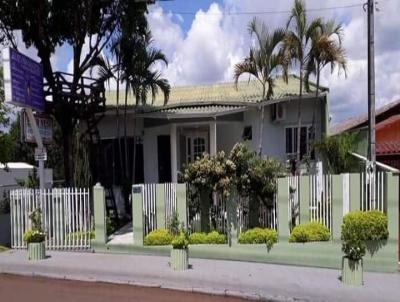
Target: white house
point(207, 118)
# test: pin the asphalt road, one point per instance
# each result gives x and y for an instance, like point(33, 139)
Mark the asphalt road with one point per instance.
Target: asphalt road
point(36, 289)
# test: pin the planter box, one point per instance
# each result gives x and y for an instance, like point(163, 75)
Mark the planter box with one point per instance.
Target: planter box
point(179, 259)
point(352, 271)
point(5, 230)
point(36, 251)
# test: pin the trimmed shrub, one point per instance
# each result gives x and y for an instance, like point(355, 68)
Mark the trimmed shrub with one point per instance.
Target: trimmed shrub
point(360, 227)
point(308, 232)
point(198, 238)
point(259, 235)
point(215, 238)
point(158, 237)
point(210, 238)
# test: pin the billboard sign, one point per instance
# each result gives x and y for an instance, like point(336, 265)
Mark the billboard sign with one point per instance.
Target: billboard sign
point(45, 126)
point(23, 80)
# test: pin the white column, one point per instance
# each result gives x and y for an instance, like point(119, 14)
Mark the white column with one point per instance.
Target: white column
point(213, 138)
point(174, 159)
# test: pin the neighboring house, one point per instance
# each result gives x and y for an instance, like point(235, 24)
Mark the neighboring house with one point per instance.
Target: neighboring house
point(207, 118)
point(387, 133)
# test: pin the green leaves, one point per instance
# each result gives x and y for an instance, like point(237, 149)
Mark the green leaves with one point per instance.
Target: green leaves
point(335, 151)
point(360, 227)
point(308, 232)
point(258, 236)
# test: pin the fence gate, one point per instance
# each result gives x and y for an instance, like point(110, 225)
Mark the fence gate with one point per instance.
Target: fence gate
point(65, 216)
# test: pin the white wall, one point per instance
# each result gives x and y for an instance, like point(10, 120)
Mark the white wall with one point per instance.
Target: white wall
point(274, 143)
point(228, 134)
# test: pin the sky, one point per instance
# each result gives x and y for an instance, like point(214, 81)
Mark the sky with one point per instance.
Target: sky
point(204, 39)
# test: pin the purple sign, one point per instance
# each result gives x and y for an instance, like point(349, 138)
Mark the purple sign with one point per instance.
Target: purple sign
point(23, 79)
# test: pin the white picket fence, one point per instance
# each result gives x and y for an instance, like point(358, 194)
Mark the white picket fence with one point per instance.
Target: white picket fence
point(149, 205)
point(367, 202)
point(321, 199)
point(65, 216)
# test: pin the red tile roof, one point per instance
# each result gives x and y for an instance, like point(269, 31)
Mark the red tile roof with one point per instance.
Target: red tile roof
point(391, 120)
point(384, 148)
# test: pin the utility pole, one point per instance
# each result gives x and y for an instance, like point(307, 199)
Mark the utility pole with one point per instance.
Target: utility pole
point(371, 99)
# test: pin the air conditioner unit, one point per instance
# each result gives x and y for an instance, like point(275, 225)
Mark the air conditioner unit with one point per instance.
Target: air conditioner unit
point(278, 112)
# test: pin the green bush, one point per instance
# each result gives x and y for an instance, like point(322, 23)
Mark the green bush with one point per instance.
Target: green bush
point(181, 241)
point(158, 237)
point(215, 238)
point(308, 232)
point(210, 238)
point(198, 238)
point(360, 227)
point(259, 235)
point(34, 236)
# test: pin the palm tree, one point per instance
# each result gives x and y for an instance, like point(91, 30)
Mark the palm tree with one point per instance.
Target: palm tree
point(138, 61)
point(262, 63)
point(294, 50)
point(326, 48)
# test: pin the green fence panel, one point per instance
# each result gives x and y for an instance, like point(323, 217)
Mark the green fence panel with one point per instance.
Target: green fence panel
point(181, 203)
point(137, 214)
point(283, 207)
point(99, 204)
point(160, 206)
point(304, 199)
point(337, 206)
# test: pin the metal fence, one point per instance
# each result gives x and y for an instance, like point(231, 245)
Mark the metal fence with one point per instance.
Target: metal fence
point(65, 216)
point(149, 205)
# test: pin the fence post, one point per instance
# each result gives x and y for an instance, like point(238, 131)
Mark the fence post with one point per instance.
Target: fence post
point(99, 204)
point(355, 191)
point(304, 199)
point(392, 206)
point(337, 205)
point(181, 203)
point(160, 206)
point(282, 205)
point(137, 214)
point(232, 221)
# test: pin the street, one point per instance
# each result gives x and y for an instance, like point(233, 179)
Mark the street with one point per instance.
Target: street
point(17, 288)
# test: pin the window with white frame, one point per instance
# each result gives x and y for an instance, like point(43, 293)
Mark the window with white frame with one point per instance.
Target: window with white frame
point(291, 141)
point(195, 147)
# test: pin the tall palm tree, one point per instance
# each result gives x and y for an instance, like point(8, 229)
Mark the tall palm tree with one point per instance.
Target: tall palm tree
point(295, 47)
point(326, 49)
point(139, 74)
point(262, 63)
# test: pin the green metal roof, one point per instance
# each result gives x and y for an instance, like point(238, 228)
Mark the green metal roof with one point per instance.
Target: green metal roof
point(214, 94)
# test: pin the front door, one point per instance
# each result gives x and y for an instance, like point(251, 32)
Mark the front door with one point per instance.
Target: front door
point(164, 158)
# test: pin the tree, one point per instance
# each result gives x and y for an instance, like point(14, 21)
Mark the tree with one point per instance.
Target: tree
point(262, 63)
point(335, 151)
point(93, 23)
point(4, 143)
point(138, 58)
point(326, 49)
point(295, 47)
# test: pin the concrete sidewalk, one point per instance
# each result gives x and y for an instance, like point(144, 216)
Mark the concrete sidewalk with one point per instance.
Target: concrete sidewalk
point(249, 280)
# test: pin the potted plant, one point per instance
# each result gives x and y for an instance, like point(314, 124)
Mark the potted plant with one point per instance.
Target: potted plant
point(35, 237)
point(360, 231)
point(180, 252)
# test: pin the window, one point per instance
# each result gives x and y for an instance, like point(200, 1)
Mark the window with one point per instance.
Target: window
point(291, 141)
point(247, 133)
point(195, 147)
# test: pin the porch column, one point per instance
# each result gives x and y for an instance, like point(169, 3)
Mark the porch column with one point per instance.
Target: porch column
point(174, 154)
point(213, 138)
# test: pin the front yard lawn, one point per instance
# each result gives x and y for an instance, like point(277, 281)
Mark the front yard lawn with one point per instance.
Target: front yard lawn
point(3, 248)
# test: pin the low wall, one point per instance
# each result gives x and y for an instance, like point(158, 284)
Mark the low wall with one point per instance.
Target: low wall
point(5, 230)
point(316, 254)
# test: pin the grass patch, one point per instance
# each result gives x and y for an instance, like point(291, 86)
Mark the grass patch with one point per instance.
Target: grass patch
point(3, 248)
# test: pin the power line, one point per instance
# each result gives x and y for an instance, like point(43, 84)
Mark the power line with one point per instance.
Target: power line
point(227, 13)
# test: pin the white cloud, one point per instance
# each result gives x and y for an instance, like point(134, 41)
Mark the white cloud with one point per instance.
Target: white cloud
point(215, 42)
